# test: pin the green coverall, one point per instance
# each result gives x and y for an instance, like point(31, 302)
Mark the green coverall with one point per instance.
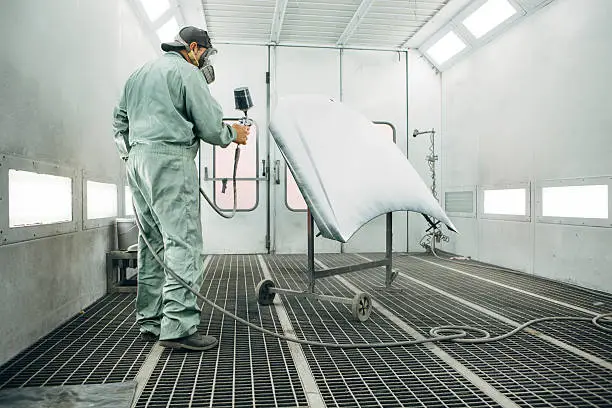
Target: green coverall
point(164, 111)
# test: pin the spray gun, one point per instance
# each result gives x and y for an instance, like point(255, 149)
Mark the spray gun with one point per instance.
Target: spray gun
point(243, 102)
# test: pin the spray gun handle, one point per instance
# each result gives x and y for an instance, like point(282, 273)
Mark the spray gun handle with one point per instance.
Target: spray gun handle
point(246, 121)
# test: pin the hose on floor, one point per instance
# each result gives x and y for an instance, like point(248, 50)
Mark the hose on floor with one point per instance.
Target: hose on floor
point(457, 334)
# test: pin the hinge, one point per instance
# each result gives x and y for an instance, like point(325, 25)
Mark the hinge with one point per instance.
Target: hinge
point(267, 77)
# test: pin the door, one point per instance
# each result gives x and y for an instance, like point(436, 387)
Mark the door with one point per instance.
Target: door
point(247, 231)
point(298, 71)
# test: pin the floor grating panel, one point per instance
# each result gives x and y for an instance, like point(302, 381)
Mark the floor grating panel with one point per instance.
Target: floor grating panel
point(525, 368)
point(408, 376)
point(577, 296)
point(247, 369)
point(98, 346)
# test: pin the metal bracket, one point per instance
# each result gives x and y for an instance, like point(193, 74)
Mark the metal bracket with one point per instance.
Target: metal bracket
point(277, 172)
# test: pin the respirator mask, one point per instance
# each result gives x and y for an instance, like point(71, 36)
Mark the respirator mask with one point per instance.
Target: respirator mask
point(204, 63)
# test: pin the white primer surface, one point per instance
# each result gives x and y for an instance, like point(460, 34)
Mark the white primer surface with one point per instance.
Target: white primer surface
point(346, 174)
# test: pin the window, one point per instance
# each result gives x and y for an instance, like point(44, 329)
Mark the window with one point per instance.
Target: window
point(101, 200)
point(488, 16)
point(295, 200)
point(505, 202)
point(155, 8)
point(38, 199)
point(576, 201)
point(223, 160)
point(168, 31)
point(129, 210)
point(446, 48)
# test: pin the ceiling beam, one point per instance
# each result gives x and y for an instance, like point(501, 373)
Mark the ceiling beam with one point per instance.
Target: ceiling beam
point(277, 20)
point(357, 18)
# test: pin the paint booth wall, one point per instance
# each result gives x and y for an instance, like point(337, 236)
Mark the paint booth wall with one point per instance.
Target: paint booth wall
point(61, 74)
point(534, 105)
point(424, 104)
point(372, 82)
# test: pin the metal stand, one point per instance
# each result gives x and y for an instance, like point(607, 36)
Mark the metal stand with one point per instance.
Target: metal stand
point(117, 263)
point(361, 303)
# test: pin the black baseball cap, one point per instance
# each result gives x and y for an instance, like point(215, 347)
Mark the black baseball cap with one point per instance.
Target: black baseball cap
point(188, 35)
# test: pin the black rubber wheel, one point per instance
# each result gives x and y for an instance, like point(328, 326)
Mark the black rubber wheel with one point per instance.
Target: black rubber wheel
point(361, 307)
point(264, 296)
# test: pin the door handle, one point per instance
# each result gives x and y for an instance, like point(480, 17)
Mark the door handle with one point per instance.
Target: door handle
point(277, 172)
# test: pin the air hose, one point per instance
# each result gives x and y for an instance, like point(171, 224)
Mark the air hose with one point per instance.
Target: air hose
point(457, 334)
point(212, 204)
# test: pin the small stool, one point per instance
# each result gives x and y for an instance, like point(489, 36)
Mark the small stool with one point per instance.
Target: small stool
point(117, 263)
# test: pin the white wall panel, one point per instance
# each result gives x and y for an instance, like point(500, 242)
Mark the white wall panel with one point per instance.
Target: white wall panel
point(534, 105)
point(59, 83)
point(424, 104)
point(589, 258)
point(507, 243)
point(374, 83)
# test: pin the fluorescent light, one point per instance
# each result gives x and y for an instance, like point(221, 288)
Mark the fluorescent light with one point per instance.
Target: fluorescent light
point(446, 47)
point(488, 16)
point(168, 31)
point(101, 200)
point(155, 8)
point(37, 199)
point(506, 202)
point(575, 201)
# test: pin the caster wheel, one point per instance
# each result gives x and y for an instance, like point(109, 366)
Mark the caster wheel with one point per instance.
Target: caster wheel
point(361, 307)
point(264, 296)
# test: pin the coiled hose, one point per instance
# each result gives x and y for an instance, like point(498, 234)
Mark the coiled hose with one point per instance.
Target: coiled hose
point(457, 334)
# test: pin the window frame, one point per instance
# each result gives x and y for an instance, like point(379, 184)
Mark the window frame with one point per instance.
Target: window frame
point(456, 24)
point(462, 189)
point(12, 235)
point(98, 222)
point(505, 217)
point(256, 179)
point(569, 182)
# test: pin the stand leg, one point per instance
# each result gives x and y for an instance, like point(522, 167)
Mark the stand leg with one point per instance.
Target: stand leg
point(311, 265)
point(389, 250)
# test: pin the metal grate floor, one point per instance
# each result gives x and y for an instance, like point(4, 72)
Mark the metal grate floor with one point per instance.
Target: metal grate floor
point(527, 369)
point(409, 376)
point(99, 346)
point(247, 369)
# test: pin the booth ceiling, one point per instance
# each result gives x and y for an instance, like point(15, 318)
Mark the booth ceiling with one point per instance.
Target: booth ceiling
point(350, 23)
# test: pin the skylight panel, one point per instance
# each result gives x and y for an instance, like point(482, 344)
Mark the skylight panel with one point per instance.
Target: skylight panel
point(488, 16)
point(446, 48)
